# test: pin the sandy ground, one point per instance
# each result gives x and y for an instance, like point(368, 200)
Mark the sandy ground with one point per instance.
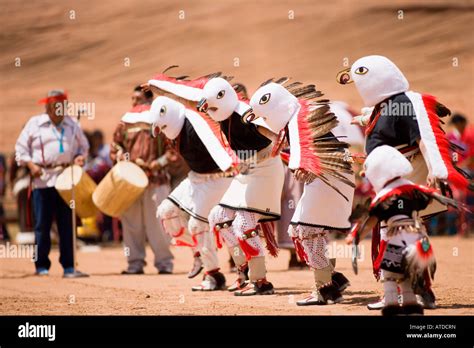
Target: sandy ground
point(107, 293)
point(83, 45)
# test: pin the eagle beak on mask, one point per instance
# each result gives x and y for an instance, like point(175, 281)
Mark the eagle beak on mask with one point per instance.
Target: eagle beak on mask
point(249, 116)
point(344, 77)
point(202, 106)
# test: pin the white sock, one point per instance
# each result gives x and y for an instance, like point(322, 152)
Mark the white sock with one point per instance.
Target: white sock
point(408, 296)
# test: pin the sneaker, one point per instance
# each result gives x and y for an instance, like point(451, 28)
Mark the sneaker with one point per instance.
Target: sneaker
point(197, 267)
point(42, 272)
point(323, 296)
point(132, 271)
point(381, 303)
point(314, 299)
point(260, 287)
point(340, 281)
point(427, 299)
point(376, 305)
point(242, 279)
point(73, 273)
point(212, 281)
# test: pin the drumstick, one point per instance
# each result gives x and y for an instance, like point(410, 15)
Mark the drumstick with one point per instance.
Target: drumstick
point(73, 195)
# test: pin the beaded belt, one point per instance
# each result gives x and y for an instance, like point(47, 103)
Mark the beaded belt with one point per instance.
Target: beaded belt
point(405, 224)
point(201, 177)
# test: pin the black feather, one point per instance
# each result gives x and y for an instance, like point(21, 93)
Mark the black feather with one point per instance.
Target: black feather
point(170, 67)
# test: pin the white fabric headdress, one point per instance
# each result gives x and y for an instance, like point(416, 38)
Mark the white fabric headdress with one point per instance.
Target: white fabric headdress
point(383, 164)
point(377, 78)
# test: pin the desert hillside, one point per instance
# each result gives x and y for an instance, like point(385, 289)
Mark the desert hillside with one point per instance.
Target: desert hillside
point(84, 46)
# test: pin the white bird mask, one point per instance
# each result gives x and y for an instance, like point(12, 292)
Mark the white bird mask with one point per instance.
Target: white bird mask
point(275, 104)
point(219, 99)
point(168, 115)
point(376, 78)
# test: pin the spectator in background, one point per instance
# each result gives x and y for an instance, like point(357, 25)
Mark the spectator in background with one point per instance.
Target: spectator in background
point(462, 134)
point(141, 96)
point(132, 140)
point(97, 166)
point(99, 162)
point(19, 178)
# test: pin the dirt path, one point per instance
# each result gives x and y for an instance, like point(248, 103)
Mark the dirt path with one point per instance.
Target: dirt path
point(107, 293)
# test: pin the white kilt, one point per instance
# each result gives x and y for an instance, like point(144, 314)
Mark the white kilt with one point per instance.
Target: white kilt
point(322, 206)
point(259, 190)
point(199, 193)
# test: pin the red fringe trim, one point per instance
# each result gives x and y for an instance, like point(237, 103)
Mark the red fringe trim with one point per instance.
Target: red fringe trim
point(140, 108)
point(285, 157)
point(248, 250)
point(186, 244)
point(456, 178)
point(378, 261)
point(300, 250)
point(403, 189)
point(197, 83)
point(218, 238)
point(268, 229)
point(308, 160)
point(370, 127)
point(279, 143)
point(378, 248)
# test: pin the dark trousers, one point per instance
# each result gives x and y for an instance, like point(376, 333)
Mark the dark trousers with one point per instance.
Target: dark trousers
point(48, 205)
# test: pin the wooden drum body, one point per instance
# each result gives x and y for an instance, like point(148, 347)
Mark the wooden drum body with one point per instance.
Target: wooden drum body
point(120, 188)
point(84, 186)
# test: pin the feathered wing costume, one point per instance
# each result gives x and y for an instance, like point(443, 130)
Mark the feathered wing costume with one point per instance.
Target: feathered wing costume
point(323, 162)
point(434, 138)
point(378, 80)
point(184, 213)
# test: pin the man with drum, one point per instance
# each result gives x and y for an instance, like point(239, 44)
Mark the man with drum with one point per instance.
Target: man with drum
point(48, 143)
point(132, 141)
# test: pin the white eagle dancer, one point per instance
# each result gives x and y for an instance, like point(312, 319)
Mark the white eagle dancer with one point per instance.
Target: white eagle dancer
point(323, 162)
point(184, 213)
point(252, 201)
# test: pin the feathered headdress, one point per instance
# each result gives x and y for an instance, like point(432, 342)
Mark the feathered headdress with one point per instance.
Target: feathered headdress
point(189, 92)
point(314, 151)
